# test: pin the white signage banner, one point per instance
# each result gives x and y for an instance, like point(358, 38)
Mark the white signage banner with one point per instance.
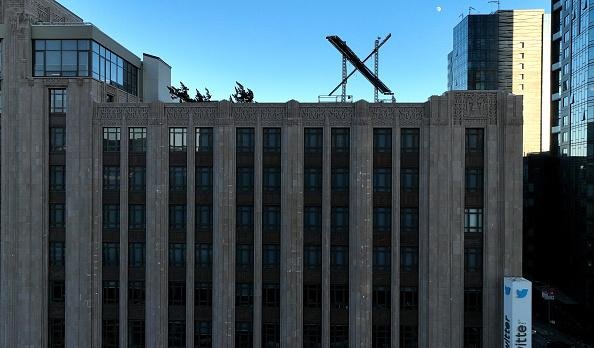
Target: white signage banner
point(517, 313)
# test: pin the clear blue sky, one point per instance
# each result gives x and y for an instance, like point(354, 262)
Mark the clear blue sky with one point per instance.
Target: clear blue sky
point(278, 47)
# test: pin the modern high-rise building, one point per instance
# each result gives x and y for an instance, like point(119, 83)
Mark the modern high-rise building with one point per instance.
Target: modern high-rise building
point(130, 222)
point(559, 186)
point(510, 51)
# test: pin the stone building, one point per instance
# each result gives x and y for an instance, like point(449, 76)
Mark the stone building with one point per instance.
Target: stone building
point(127, 221)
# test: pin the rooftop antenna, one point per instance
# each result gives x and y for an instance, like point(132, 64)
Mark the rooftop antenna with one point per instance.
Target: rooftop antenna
point(376, 68)
point(470, 9)
point(348, 54)
point(498, 2)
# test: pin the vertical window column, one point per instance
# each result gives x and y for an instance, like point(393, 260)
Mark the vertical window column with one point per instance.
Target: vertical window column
point(177, 226)
point(271, 233)
point(111, 237)
point(473, 237)
point(409, 236)
point(382, 237)
point(136, 287)
point(244, 278)
point(203, 238)
point(339, 237)
point(57, 217)
point(312, 237)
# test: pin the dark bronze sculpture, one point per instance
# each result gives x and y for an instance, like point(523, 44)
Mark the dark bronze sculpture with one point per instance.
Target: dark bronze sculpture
point(183, 96)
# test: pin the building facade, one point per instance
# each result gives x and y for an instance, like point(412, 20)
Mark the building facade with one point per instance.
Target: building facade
point(128, 222)
point(510, 51)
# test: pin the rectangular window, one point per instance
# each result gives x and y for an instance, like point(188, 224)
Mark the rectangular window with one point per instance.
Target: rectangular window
point(473, 220)
point(111, 217)
point(312, 296)
point(244, 294)
point(409, 140)
point(339, 335)
point(243, 334)
point(177, 334)
point(271, 219)
point(203, 255)
point(473, 260)
point(136, 217)
point(204, 217)
point(136, 292)
point(382, 220)
point(409, 336)
point(272, 179)
point(408, 259)
point(340, 140)
point(409, 298)
point(473, 300)
point(381, 259)
point(111, 254)
point(382, 180)
point(57, 215)
point(177, 293)
point(57, 139)
point(381, 336)
point(111, 139)
point(339, 220)
point(58, 101)
point(203, 334)
point(382, 140)
point(381, 297)
point(272, 140)
point(110, 333)
point(409, 179)
point(57, 291)
point(474, 179)
point(473, 337)
point(339, 257)
point(111, 292)
point(340, 179)
point(177, 179)
point(245, 140)
point(136, 332)
point(56, 253)
point(203, 294)
point(245, 180)
point(312, 335)
point(204, 179)
point(177, 255)
point(111, 179)
point(57, 333)
point(177, 139)
point(474, 140)
point(137, 179)
point(312, 219)
point(339, 296)
point(409, 220)
point(312, 180)
point(313, 140)
point(271, 256)
point(271, 294)
point(137, 142)
point(57, 179)
point(245, 217)
point(312, 256)
point(204, 140)
point(271, 335)
point(244, 255)
point(136, 254)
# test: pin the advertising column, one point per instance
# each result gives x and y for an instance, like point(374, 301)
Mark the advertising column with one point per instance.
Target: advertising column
point(517, 313)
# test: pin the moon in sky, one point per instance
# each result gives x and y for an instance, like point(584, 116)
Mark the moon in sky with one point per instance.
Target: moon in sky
point(438, 8)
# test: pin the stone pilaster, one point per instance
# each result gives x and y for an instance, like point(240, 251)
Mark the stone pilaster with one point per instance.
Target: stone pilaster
point(157, 158)
point(223, 333)
point(291, 285)
point(360, 228)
